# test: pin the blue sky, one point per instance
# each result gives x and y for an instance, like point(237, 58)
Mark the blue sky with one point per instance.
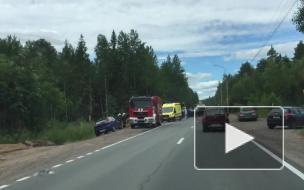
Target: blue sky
point(201, 32)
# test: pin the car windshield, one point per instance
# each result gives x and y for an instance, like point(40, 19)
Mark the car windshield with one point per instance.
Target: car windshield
point(215, 112)
point(141, 103)
point(278, 110)
point(103, 120)
point(247, 109)
point(167, 110)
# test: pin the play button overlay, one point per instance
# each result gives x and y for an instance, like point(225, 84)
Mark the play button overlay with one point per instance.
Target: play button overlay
point(239, 138)
point(235, 138)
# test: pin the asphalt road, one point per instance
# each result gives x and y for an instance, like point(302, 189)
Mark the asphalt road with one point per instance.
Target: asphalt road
point(163, 158)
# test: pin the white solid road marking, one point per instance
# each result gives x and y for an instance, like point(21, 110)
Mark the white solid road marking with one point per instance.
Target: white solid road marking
point(180, 141)
point(89, 153)
point(80, 156)
point(287, 165)
point(57, 166)
point(22, 179)
point(97, 150)
point(3, 186)
point(69, 161)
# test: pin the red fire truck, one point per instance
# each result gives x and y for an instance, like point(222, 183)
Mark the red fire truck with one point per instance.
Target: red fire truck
point(145, 110)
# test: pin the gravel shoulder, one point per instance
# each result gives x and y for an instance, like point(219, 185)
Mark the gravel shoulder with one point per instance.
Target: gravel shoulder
point(293, 139)
point(24, 161)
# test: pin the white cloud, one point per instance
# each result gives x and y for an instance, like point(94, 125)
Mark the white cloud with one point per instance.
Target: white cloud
point(173, 26)
point(203, 88)
point(194, 78)
point(284, 49)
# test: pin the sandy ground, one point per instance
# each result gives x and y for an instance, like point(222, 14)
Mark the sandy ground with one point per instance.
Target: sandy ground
point(17, 161)
point(272, 138)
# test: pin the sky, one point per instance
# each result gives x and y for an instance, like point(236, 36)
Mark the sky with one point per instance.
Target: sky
point(203, 33)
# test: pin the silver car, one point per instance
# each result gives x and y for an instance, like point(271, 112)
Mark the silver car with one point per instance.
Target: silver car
point(247, 113)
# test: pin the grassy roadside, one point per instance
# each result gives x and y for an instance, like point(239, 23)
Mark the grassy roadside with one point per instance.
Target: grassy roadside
point(56, 132)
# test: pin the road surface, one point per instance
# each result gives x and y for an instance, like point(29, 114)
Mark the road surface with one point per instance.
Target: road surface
point(163, 158)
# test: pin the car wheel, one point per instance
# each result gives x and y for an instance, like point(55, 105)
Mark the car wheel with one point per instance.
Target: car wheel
point(239, 120)
point(205, 128)
point(121, 126)
point(293, 125)
point(270, 126)
point(159, 123)
point(113, 129)
point(97, 134)
point(132, 126)
point(255, 119)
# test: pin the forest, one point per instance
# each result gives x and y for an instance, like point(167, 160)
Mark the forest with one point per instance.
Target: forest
point(39, 84)
point(275, 81)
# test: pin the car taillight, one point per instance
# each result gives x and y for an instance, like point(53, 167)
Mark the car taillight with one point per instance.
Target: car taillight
point(254, 111)
point(240, 112)
point(288, 115)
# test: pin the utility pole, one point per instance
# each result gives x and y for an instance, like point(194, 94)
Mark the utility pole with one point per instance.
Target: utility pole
point(106, 94)
point(90, 116)
point(227, 97)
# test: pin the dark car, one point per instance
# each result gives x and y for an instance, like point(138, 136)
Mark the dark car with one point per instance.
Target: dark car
point(293, 117)
point(106, 125)
point(214, 118)
point(199, 112)
point(247, 113)
point(190, 112)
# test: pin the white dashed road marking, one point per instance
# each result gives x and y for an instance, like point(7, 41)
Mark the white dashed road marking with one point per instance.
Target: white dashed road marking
point(180, 141)
point(57, 166)
point(22, 179)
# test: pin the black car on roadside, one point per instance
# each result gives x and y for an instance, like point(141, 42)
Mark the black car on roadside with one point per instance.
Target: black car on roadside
point(214, 118)
point(293, 117)
point(106, 125)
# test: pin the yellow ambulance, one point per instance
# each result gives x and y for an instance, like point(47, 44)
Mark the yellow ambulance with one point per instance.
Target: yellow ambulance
point(171, 112)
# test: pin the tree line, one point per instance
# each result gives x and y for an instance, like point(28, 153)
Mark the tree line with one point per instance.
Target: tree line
point(275, 81)
point(39, 83)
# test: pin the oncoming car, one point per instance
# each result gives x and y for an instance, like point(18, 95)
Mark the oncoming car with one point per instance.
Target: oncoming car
point(214, 118)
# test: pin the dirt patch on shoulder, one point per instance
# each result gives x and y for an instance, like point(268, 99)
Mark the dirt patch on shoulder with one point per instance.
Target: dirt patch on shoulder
point(5, 148)
point(28, 160)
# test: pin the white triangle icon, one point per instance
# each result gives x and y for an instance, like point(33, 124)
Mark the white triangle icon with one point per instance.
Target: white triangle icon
point(235, 138)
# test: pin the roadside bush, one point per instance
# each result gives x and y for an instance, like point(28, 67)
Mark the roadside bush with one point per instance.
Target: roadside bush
point(61, 132)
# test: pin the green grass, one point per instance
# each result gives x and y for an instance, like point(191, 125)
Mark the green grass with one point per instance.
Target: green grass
point(54, 131)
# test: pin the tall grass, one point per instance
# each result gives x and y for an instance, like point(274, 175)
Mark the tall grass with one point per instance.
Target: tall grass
point(55, 131)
